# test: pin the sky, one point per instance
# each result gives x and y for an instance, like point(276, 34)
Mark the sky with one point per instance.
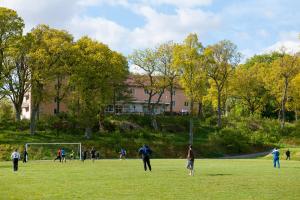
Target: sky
point(255, 26)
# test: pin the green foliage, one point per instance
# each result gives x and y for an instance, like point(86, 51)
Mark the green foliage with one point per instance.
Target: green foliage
point(6, 111)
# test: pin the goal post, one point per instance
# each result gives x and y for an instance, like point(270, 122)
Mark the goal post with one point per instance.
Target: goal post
point(27, 145)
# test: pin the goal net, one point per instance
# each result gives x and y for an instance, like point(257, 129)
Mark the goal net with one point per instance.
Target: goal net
point(48, 151)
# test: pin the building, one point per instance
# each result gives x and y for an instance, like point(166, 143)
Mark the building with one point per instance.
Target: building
point(138, 103)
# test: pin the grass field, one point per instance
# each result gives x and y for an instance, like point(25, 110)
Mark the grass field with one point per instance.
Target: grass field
point(125, 179)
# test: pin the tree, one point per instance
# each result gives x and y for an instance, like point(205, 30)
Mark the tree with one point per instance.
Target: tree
point(11, 28)
point(286, 69)
point(16, 73)
point(221, 59)
point(295, 94)
point(93, 78)
point(49, 57)
point(153, 83)
point(165, 67)
point(249, 88)
point(188, 62)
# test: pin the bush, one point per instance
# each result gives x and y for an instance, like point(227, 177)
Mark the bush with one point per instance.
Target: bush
point(231, 140)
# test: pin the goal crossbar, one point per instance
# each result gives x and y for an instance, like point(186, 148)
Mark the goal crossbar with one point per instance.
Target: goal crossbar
point(54, 143)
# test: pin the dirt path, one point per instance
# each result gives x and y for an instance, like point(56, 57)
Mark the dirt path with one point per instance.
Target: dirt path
point(252, 155)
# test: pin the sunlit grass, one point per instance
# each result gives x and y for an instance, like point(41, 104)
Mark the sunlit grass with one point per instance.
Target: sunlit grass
point(126, 179)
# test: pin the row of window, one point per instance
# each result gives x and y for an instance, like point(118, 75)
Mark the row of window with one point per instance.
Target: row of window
point(147, 92)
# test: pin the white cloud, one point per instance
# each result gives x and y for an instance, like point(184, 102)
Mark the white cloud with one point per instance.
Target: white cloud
point(101, 29)
point(180, 3)
point(288, 41)
point(56, 13)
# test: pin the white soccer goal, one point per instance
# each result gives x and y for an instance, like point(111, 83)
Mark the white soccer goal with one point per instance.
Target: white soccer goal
point(74, 146)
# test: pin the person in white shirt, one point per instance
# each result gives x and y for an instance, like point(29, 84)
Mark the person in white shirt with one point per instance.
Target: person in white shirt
point(15, 156)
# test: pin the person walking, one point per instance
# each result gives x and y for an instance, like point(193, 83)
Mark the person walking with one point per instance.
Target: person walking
point(190, 160)
point(15, 156)
point(25, 155)
point(145, 151)
point(288, 155)
point(276, 154)
point(63, 155)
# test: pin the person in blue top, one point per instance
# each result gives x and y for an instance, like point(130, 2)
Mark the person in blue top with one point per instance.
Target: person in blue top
point(122, 154)
point(63, 155)
point(276, 154)
point(145, 151)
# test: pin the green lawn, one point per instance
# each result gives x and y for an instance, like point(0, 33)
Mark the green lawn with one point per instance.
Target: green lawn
point(125, 179)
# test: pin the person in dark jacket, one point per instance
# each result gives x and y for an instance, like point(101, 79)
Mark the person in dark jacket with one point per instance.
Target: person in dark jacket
point(190, 159)
point(145, 151)
point(25, 154)
point(288, 155)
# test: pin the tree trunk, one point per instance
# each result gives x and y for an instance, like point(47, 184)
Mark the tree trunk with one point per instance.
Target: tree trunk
point(18, 109)
point(191, 131)
point(57, 98)
point(33, 116)
point(284, 99)
point(200, 109)
point(296, 115)
point(154, 122)
point(219, 109)
point(101, 121)
point(88, 132)
point(171, 100)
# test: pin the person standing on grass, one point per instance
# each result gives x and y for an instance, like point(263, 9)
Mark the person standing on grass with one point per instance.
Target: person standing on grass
point(25, 154)
point(145, 151)
point(93, 154)
point(63, 155)
point(190, 160)
point(84, 155)
point(72, 155)
point(122, 154)
point(15, 156)
point(288, 155)
point(276, 154)
point(58, 155)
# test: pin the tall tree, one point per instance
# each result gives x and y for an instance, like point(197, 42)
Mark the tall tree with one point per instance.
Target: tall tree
point(153, 84)
point(48, 60)
point(286, 69)
point(248, 88)
point(221, 59)
point(165, 61)
point(11, 28)
point(188, 61)
point(93, 77)
point(16, 73)
point(295, 95)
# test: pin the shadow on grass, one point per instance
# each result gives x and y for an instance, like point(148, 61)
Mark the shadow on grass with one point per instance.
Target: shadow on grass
point(219, 174)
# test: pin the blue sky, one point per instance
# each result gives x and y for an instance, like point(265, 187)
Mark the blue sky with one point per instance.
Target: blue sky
point(255, 26)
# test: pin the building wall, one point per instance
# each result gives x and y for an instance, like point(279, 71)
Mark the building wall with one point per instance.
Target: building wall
point(179, 99)
point(138, 105)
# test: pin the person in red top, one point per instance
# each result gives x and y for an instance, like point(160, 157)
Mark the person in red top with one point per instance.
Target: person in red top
point(58, 155)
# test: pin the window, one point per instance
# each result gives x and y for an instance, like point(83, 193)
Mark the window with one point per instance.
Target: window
point(55, 111)
point(186, 103)
point(173, 103)
point(109, 108)
point(27, 97)
point(118, 109)
point(173, 92)
point(146, 91)
point(131, 91)
point(27, 109)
